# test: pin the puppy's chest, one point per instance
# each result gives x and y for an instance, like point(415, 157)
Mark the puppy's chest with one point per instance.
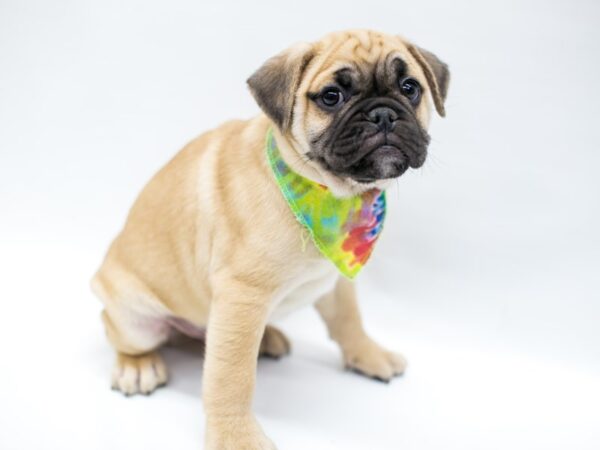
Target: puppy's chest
point(311, 284)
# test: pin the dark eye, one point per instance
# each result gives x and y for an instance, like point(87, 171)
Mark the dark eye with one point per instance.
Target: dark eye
point(411, 89)
point(332, 97)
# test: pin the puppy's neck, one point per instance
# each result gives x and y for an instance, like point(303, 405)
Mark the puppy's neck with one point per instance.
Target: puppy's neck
point(298, 161)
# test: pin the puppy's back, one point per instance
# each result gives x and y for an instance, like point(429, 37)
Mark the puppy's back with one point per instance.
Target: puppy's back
point(161, 258)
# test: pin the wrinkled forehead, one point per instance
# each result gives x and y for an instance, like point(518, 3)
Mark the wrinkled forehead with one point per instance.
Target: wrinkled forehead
point(359, 59)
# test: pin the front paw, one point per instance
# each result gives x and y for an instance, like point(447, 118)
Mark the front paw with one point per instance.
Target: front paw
point(368, 358)
point(236, 433)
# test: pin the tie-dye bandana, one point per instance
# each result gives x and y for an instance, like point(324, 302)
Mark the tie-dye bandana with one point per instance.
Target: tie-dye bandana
point(343, 229)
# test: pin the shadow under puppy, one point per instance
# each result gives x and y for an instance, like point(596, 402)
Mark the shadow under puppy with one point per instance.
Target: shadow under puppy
point(259, 217)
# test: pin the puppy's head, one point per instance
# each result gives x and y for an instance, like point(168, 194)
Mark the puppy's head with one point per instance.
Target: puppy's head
point(355, 104)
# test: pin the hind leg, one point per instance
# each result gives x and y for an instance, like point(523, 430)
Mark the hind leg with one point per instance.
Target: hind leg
point(138, 367)
point(274, 343)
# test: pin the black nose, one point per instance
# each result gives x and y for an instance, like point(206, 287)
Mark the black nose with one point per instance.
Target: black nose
point(384, 117)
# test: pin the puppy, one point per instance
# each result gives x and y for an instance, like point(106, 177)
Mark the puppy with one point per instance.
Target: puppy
point(220, 239)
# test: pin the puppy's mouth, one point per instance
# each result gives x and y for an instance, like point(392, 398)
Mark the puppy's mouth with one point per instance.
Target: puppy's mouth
point(383, 162)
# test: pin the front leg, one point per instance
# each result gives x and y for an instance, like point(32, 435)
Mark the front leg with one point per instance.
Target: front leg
point(236, 324)
point(339, 310)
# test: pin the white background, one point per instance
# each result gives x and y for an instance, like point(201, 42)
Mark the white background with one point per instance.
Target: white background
point(487, 276)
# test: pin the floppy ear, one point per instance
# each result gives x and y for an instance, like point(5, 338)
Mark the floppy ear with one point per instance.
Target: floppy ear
point(274, 85)
point(437, 74)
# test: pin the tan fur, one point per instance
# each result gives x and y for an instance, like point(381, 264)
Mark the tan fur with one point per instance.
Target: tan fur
point(212, 242)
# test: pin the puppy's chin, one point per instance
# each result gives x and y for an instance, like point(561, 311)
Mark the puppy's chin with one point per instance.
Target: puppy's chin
point(377, 170)
point(347, 187)
point(360, 187)
point(385, 163)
